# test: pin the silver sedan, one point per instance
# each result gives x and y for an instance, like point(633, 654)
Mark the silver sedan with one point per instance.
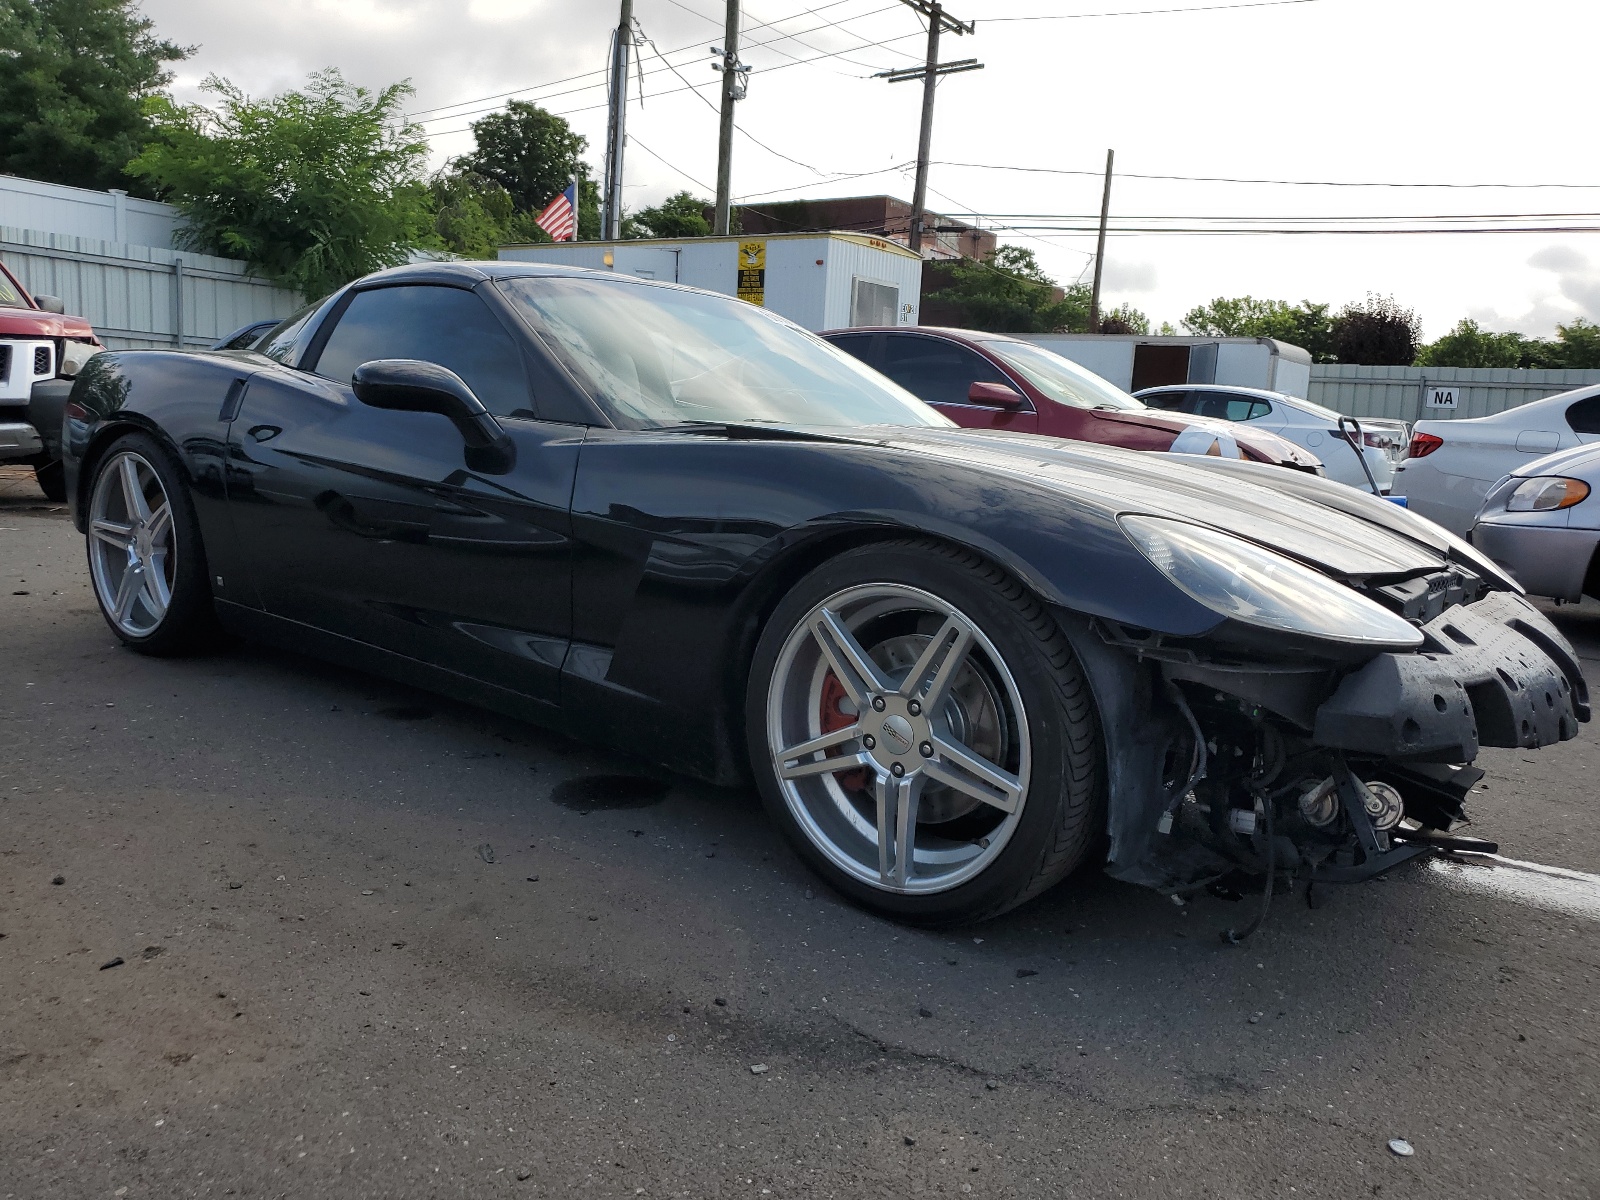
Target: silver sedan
point(1542, 523)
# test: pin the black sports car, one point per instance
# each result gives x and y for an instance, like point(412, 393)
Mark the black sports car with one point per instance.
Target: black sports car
point(957, 664)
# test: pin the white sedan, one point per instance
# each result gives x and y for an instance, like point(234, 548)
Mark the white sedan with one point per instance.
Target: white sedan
point(1454, 463)
point(1306, 424)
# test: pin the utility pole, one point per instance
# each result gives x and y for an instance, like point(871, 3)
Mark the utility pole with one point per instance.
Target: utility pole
point(1100, 249)
point(734, 85)
point(616, 129)
point(938, 21)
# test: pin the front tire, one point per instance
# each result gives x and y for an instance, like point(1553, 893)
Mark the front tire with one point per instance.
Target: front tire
point(922, 732)
point(52, 480)
point(146, 560)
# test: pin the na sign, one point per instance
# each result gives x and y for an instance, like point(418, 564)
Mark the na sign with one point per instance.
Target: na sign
point(1442, 397)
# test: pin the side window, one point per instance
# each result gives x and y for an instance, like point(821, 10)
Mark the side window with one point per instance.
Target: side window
point(857, 344)
point(442, 325)
point(279, 343)
point(1225, 407)
point(1169, 401)
point(1584, 415)
point(935, 370)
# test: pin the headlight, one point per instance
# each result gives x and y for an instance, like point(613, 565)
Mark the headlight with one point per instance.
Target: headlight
point(1546, 493)
point(74, 355)
point(1239, 579)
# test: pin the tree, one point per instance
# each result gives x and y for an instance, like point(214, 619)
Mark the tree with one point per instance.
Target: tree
point(1008, 293)
point(1470, 345)
point(1124, 319)
point(679, 216)
point(1577, 346)
point(74, 78)
point(1306, 324)
point(313, 187)
point(469, 214)
point(1376, 333)
point(533, 155)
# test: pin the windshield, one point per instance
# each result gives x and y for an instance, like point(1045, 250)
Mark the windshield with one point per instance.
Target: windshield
point(1063, 381)
point(9, 296)
point(664, 356)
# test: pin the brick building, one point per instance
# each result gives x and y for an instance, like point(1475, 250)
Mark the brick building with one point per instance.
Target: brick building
point(882, 216)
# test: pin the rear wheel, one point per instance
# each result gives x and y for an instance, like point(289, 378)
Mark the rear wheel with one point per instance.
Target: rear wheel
point(920, 729)
point(145, 556)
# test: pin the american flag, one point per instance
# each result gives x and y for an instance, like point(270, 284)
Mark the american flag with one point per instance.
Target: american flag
point(560, 217)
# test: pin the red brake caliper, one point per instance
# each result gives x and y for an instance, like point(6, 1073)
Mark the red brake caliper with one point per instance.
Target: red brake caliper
point(833, 717)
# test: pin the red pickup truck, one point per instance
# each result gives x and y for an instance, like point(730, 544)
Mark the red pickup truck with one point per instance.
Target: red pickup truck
point(41, 350)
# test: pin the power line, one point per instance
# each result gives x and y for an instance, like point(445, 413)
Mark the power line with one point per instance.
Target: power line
point(1150, 12)
point(687, 87)
point(600, 83)
point(1272, 182)
point(790, 37)
point(679, 170)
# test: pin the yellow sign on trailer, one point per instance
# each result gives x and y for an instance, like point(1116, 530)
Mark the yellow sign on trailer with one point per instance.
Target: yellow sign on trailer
point(752, 284)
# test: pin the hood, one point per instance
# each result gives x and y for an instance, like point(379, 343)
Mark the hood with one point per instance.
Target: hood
point(1303, 518)
point(31, 323)
point(1575, 460)
point(1260, 444)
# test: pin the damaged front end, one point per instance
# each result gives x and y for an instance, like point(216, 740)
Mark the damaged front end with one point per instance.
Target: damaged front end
point(1267, 753)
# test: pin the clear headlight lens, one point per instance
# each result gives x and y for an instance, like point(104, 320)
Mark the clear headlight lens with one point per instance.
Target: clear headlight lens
point(1545, 493)
point(1238, 579)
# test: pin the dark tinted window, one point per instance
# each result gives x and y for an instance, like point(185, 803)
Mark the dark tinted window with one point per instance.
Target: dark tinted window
point(1170, 401)
point(1226, 407)
point(858, 344)
point(1584, 416)
point(442, 325)
point(935, 370)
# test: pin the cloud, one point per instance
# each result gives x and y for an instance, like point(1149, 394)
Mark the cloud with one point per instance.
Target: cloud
point(1136, 277)
point(1576, 293)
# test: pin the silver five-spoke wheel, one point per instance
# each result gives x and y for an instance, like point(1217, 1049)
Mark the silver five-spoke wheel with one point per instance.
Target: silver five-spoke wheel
point(898, 738)
point(132, 555)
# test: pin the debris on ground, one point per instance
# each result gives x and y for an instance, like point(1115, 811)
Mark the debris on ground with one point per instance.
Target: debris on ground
point(1025, 973)
point(150, 952)
point(758, 1068)
point(991, 1085)
point(115, 962)
point(58, 880)
point(720, 1002)
point(924, 1012)
point(486, 852)
point(1401, 1147)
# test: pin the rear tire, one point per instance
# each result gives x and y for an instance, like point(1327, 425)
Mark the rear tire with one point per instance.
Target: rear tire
point(945, 690)
point(146, 560)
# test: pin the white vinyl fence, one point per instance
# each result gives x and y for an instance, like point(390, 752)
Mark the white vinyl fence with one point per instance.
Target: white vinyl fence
point(1403, 392)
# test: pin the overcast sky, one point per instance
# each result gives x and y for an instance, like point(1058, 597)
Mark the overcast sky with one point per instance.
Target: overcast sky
point(1388, 91)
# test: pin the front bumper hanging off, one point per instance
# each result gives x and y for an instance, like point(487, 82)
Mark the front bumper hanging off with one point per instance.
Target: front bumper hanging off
point(1494, 673)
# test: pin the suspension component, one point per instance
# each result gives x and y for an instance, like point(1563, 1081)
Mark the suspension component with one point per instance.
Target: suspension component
point(1383, 804)
point(1319, 802)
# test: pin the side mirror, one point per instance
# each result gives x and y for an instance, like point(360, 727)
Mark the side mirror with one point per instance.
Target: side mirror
point(410, 385)
point(50, 304)
point(998, 395)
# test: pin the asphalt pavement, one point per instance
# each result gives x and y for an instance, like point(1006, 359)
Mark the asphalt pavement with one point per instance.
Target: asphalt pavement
point(271, 928)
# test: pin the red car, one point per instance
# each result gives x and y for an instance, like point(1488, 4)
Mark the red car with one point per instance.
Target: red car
point(40, 351)
point(991, 381)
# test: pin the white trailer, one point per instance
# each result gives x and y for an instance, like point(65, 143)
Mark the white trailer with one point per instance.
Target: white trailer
point(1133, 362)
point(817, 280)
